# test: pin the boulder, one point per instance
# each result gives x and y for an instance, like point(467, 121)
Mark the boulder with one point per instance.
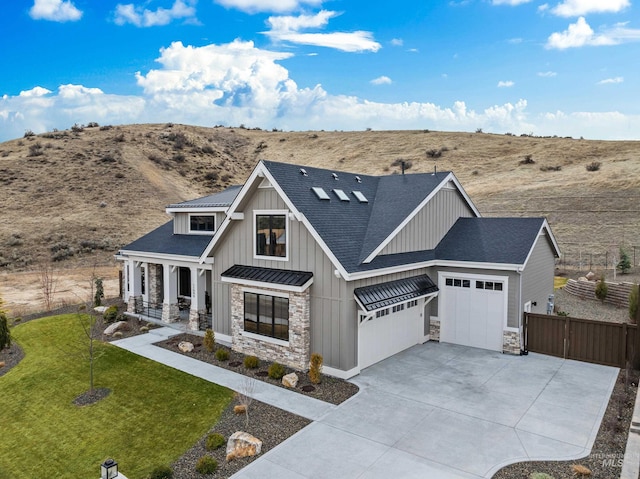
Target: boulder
point(117, 326)
point(185, 346)
point(100, 309)
point(590, 276)
point(242, 444)
point(290, 380)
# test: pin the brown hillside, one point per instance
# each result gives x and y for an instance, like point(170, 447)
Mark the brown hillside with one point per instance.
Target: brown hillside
point(75, 197)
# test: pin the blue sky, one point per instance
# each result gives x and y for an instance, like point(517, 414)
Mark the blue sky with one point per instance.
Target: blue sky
point(556, 67)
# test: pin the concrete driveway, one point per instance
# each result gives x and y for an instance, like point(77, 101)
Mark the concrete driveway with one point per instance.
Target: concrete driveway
point(446, 411)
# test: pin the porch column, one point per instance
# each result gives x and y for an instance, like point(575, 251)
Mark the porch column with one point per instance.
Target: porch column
point(170, 312)
point(134, 303)
point(198, 285)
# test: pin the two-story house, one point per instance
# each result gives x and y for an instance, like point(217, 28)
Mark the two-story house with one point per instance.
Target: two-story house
point(354, 267)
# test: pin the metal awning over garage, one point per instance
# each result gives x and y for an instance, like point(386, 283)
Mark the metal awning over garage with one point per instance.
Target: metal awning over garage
point(255, 276)
point(387, 294)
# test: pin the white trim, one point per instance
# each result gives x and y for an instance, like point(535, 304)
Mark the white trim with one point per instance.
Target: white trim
point(449, 178)
point(287, 235)
point(265, 339)
point(541, 234)
point(192, 232)
point(340, 373)
point(277, 294)
point(269, 286)
point(167, 258)
point(196, 209)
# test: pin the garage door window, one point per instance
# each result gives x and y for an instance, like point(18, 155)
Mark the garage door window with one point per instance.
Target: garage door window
point(490, 285)
point(458, 283)
point(382, 312)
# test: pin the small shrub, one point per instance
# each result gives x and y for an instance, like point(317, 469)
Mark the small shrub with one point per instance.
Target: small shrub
point(215, 441)
point(212, 176)
point(251, 362)
point(77, 128)
point(633, 303)
point(161, 472)
point(528, 160)
point(479, 130)
point(92, 124)
point(119, 138)
point(433, 153)
point(179, 158)
point(315, 368)
point(35, 149)
point(206, 465)
point(110, 314)
point(5, 333)
point(602, 290)
point(222, 354)
point(594, 166)
point(551, 168)
point(209, 340)
point(276, 371)
point(28, 133)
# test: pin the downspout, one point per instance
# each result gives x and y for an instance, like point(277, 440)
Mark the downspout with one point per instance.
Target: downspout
point(523, 352)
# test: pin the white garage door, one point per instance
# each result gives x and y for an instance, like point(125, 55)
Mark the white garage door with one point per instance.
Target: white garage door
point(472, 310)
point(390, 331)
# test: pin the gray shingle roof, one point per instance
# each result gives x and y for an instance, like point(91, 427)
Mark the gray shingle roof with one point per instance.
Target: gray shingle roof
point(490, 240)
point(392, 292)
point(163, 241)
point(352, 230)
point(268, 275)
point(221, 199)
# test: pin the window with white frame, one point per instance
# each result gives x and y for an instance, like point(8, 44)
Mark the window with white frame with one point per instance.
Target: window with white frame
point(266, 315)
point(271, 235)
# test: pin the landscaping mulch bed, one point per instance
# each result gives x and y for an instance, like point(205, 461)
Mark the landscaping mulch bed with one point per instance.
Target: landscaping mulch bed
point(605, 460)
point(10, 357)
point(331, 390)
point(269, 424)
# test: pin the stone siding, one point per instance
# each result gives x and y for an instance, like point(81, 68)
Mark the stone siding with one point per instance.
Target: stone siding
point(296, 353)
point(156, 292)
point(170, 313)
point(511, 342)
point(434, 330)
point(134, 305)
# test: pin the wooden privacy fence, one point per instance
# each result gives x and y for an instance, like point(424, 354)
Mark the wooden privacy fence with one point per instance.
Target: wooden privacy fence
point(601, 342)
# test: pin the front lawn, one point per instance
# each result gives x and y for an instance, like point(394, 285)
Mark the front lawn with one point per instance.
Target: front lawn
point(151, 417)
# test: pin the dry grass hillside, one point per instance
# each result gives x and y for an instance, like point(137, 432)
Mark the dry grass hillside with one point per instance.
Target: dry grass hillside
point(74, 197)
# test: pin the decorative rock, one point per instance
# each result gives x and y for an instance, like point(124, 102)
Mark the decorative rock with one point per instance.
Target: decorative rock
point(290, 380)
point(2, 364)
point(590, 276)
point(240, 409)
point(117, 326)
point(185, 346)
point(242, 444)
point(582, 278)
point(100, 309)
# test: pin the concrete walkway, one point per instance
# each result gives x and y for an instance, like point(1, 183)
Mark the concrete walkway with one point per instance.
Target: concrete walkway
point(436, 411)
point(296, 403)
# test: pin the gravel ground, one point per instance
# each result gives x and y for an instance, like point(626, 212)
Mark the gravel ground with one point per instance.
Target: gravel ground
point(576, 307)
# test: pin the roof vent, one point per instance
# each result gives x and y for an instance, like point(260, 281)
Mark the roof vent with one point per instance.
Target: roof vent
point(360, 196)
point(358, 179)
point(320, 193)
point(334, 176)
point(341, 194)
point(303, 172)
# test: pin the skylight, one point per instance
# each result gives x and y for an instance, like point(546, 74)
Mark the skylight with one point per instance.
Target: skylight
point(341, 194)
point(320, 193)
point(360, 196)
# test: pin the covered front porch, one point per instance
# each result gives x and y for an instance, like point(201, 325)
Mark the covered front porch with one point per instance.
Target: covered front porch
point(176, 293)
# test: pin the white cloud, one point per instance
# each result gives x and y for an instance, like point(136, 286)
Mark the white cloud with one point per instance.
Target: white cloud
point(548, 74)
point(55, 10)
point(397, 42)
point(576, 8)
point(413, 50)
point(277, 6)
point(142, 17)
point(382, 80)
point(509, 2)
point(505, 84)
point(287, 29)
point(237, 83)
point(611, 80)
point(578, 34)
point(543, 8)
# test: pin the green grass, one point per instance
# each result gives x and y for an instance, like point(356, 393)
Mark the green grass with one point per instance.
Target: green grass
point(152, 416)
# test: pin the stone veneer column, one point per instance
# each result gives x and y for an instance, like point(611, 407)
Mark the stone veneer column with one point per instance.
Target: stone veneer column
point(434, 330)
point(296, 353)
point(155, 283)
point(511, 342)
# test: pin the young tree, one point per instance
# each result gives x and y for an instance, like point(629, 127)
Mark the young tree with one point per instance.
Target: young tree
point(99, 294)
point(602, 290)
point(624, 265)
point(5, 333)
point(48, 285)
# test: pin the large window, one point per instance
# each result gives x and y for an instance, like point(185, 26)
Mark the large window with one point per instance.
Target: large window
point(200, 223)
point(266, 315)
point(271, 235)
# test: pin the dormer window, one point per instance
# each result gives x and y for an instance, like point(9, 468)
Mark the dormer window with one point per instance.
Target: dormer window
point(202, 223)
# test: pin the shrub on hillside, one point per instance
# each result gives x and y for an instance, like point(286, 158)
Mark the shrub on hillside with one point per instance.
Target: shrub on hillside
point(594, 166)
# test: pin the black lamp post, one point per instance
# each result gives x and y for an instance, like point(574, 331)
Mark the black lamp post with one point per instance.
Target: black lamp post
point(108, 469)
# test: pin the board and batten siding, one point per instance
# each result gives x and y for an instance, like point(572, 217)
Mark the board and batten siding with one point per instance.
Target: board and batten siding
point(537, 276)
point(425, 230)
point(513, 313)
point(181, 222)
point(333, 333)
